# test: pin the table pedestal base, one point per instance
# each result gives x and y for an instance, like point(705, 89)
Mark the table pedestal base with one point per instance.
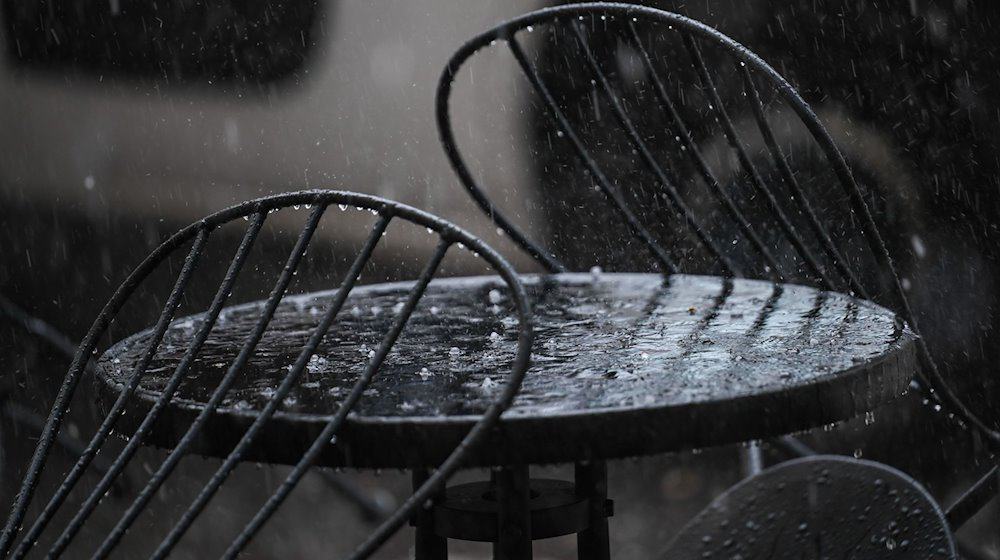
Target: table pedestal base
point(511, 510)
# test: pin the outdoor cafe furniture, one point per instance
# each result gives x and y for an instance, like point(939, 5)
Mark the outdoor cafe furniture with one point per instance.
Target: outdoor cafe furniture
point(621, 364)
point(646, 101)
point(148, 408)
point(820, 507)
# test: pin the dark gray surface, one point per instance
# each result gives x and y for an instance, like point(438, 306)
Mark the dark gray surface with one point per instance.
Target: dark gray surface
point(820, 507)
point(624, 364)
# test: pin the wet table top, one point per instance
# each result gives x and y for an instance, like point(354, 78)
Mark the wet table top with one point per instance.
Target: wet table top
point(622, 365)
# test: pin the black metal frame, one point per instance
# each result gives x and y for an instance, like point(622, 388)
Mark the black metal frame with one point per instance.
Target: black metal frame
point(750, 66)
point(197, 234)
point(370, 509)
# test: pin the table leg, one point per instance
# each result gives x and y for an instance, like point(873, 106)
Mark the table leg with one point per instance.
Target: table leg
point(428, 545)
point(592, 482)
point(751, 459)
point(513, 513)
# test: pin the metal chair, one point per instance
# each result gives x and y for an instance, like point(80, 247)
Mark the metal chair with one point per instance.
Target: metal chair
point(25, 418)
point(712, 208)
point(819, 507)
point(691, 201)
point(195, 237)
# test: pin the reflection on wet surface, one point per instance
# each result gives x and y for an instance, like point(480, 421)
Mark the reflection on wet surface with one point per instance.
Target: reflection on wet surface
point(601, 341)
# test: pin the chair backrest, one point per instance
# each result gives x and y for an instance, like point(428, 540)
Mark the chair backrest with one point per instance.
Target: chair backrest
point(196, 237)
point(708, 99)
point(819, 507)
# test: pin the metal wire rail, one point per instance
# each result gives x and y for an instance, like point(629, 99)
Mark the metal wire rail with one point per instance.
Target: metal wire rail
point(828, 267)
point(256, 212)
point(370, 509)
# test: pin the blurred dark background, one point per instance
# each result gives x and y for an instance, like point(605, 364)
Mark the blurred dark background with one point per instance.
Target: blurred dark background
point(126, 120)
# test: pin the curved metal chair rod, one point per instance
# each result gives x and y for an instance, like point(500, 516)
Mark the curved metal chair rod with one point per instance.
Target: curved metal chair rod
point(256, 212)
point(788, 177)
point(369, 508)
point(61, 403)
point(692, 32)
point(609, 190)
point(974, 498)
point(688, 145)
point(759, 185)
point(647, 155)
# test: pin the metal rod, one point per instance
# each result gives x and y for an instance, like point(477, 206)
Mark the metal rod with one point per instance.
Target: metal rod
point(972, 500)
point(618, 201)
point(139, 435)
point(751, 459)
point(793, 184)
point(328, 435)
point(94, 446)
point(435, 483)
point(691, 148)
point(647, 156)
point(759, 185)
point(929, 375)
point(795, 446)
point(370, 508)
point(593, 543)
point(966, 552)
point(447, 134)
point(428, 545)
point(512, 486)
point(234, 457)
point(167, 467)
point(81, 362)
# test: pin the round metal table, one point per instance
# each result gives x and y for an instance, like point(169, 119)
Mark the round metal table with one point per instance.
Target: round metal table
point(623, 365)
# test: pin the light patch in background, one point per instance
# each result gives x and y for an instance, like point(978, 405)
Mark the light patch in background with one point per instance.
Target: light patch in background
point(392, 64)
